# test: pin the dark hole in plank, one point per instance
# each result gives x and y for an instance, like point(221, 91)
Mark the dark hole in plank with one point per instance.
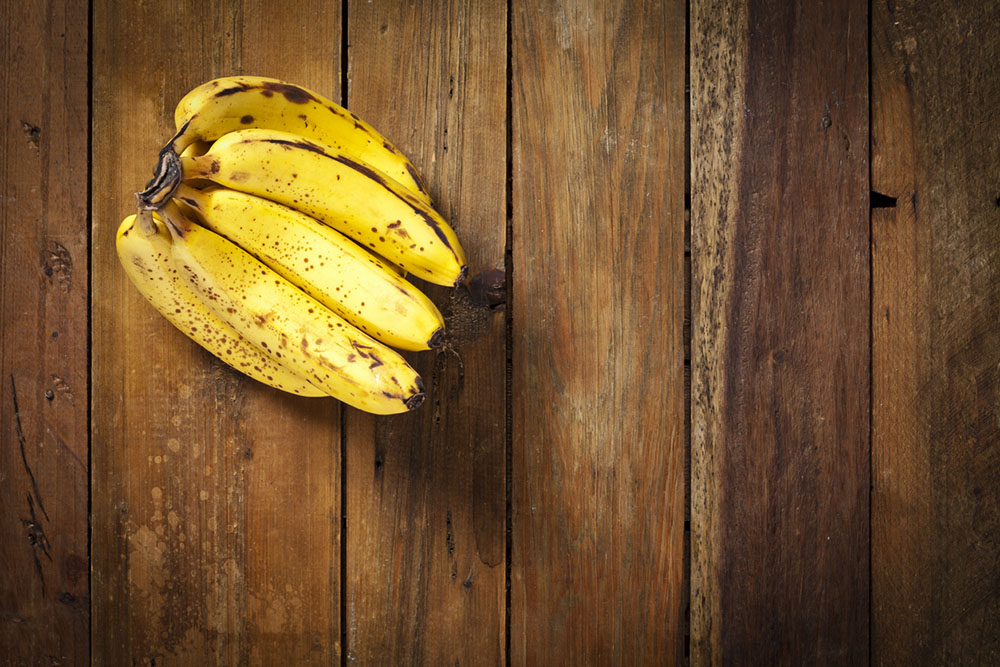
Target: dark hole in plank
point(879, 200)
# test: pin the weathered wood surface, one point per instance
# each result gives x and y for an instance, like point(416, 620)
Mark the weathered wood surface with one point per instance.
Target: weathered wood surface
point(216, 500)
point(426, 506)
point(44, 605)
point(217, 504)
point(598, 365)
point(936, 355)
point(780, 345)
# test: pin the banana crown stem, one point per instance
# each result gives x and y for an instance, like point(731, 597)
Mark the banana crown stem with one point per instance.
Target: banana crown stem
point(178, 224)
point(165, 179)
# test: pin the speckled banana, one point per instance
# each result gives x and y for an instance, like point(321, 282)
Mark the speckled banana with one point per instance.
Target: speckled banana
point(353, 283)
point(144, 248)
point(336, 189)
point(289, 325)
point(237, 102)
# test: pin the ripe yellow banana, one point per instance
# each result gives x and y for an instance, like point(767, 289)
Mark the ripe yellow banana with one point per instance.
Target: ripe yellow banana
point(350, 281)
point(336, 189)
point(237, 102)
point(289, 325)
point(144, 248)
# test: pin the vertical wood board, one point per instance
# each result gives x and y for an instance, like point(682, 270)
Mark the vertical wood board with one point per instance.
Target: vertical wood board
point(936, 353)
point(216, 500)
point(425, 491)
point(44, 578)
point(780, 337)
point(598, 357)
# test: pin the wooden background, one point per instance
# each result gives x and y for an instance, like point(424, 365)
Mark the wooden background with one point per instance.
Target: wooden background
point(725, 385)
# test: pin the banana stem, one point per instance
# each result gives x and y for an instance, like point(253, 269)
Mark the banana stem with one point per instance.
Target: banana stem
point(185, 192)
point(177, 223)
point(182, 139)
point(165, 179)
point(146, 225)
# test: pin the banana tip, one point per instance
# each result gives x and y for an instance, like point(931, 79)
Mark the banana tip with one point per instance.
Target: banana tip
point(415, 401)
point(462, 275)
point(436, 338)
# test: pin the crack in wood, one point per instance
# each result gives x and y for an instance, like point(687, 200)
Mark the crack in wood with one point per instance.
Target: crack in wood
point(35, 533)
point(21, 441)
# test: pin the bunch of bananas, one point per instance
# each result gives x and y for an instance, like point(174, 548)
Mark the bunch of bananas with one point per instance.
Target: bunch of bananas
point(276, 233)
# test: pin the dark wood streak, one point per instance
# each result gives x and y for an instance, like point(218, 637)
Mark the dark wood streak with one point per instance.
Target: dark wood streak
point(783, 263)
point(21, 442)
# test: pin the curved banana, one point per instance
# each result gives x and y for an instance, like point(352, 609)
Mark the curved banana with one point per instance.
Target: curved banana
point(338, 190)
point(353, 283)
point(289, 325)
point(145, 254)
point(236, 102)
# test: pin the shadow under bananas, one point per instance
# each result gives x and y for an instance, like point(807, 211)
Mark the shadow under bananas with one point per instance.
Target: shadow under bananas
point(436, 475)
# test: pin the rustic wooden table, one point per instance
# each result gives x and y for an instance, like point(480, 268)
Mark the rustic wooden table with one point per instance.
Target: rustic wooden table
point(724, 386)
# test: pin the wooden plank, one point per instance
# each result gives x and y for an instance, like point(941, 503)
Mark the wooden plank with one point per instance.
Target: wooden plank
point(780, 342)
point(425, 491)
point(598, 354)
point(936, 345)
point(44, 580)
point(216, 500)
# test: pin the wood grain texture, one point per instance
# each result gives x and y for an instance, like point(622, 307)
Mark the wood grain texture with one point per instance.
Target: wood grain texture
point(936, 352)
point(44, 605)
point(780, 342)
point(216, 500)
point(598, 355)
point(425, 491)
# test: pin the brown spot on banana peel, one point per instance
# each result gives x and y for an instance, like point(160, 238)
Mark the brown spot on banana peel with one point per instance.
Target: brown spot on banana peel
point(293, 94)
point(238, 88)
point(246, 120)
point(288, 145)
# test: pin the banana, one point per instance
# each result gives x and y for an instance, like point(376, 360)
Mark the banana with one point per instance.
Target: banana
point(237, 102)
point(289, 325)
point(144, 248)
point(337, 189)
point(353, 283)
